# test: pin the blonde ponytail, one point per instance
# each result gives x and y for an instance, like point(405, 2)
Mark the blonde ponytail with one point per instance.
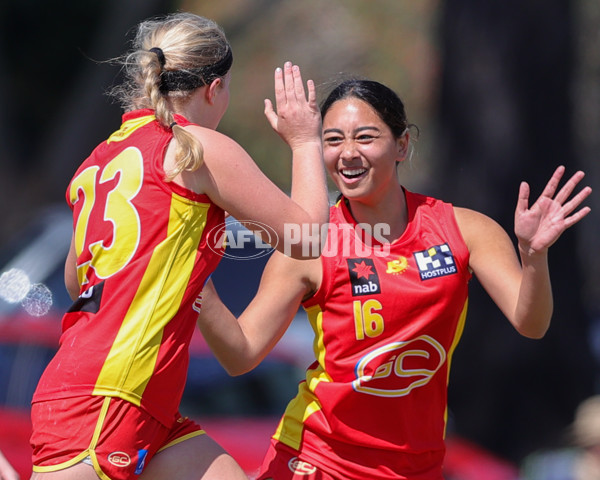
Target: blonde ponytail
point(172, 56)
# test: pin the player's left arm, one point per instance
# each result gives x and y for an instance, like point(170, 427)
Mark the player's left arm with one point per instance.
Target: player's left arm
point(522, 289)
point(71, 281)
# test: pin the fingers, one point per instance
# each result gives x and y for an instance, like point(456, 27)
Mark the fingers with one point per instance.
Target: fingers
point(289, 86)
point(289, 78)
point(552, 184)
point(279, 87)
point(523, 201)
point(298, 84)
point(573, 219)
point(566, 191)
point(572, 204)
point(312, 94)
point(270, 113)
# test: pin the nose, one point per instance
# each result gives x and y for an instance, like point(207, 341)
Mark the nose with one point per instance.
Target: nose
point(348, 150)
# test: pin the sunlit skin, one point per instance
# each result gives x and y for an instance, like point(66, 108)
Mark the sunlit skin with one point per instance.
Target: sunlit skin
point(216, 95)
point(361, 156)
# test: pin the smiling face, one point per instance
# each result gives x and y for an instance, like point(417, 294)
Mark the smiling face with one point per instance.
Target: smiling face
point(360, 150)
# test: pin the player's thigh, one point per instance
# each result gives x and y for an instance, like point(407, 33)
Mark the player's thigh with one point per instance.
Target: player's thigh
point(197, 458)
point(79, 471)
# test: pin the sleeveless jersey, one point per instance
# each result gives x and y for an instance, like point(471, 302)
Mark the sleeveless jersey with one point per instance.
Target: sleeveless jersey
point(143, 256)
point(386, 318)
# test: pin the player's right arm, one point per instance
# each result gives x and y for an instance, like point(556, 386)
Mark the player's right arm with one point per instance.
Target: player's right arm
point(241, 344)
point(233, 181)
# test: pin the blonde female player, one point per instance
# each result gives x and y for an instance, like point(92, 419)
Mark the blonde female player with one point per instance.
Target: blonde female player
point(387, 301)
point(145, 203)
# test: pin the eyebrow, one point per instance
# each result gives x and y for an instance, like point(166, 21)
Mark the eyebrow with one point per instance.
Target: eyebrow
point(359, 129)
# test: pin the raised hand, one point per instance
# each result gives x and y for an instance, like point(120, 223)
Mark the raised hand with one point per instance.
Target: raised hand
point(297, 119)
point(539, 226)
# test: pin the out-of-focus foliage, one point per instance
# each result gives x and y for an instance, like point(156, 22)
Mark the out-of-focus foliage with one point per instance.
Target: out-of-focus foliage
point(391, 41)
point(472, 75)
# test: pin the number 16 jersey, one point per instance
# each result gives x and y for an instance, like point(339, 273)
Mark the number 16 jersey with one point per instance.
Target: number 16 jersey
point(387, 318)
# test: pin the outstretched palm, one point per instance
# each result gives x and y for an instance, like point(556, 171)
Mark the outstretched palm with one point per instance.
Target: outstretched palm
point(539, 226)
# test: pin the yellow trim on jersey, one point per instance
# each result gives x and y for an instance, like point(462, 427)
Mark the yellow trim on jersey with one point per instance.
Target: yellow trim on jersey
point(457, 335)
point(130, 363)
point(197, 433)
point(289, 430)
point(89, 452)
point(130, 126)
point(315, 317)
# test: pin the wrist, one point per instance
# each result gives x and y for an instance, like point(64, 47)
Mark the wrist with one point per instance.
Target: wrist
point(307, 145)
point(527, 251)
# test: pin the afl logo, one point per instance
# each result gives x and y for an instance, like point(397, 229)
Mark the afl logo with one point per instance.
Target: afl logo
point(300, 467)
point(119, 459)
point(238, 240)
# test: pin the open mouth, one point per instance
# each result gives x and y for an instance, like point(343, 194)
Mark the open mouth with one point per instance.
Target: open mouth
point(351, 173)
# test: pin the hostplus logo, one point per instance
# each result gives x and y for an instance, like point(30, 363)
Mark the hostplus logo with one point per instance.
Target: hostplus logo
point(435, 262)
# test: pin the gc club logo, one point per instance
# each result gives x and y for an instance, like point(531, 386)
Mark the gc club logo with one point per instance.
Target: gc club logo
point(119, 459)
point(242, 240)
point(300, 467)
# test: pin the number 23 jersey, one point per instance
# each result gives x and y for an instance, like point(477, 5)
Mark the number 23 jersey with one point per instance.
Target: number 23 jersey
point(143, 256)
point(387, 318)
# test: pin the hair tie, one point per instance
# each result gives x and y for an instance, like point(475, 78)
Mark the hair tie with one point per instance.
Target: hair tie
point(190, 79)
point(161, 56)
point(172, 125)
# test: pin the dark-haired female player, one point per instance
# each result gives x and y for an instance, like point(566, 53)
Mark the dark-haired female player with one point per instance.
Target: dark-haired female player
point(387, 301)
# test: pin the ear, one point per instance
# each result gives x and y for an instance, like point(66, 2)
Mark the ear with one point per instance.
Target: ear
point(212, 90)
point(402, 146)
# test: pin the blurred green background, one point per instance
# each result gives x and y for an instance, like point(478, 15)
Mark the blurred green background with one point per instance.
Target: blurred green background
point(502, 91)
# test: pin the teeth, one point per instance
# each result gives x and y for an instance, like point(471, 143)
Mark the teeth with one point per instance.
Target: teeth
point(353, 172)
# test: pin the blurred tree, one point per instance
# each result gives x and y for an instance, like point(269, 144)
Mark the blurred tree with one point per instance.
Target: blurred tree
point(518, 94)
point(388, 40)
point(54, 111)
point(505, 116)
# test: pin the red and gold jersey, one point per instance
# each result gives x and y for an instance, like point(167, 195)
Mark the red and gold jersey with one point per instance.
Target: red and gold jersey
point(387, 318)
point(143, 256)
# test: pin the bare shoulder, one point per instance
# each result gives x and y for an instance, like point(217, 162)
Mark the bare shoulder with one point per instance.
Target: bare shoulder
point(477, 228)
point(284, 269)
point(215, 144)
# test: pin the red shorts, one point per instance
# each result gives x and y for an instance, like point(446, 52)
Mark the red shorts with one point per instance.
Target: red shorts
point(115, 436)
point(282, 463)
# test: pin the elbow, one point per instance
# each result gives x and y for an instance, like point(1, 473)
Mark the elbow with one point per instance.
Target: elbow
point(236, 370)
point(533, 324)
point(534, 335)
point(238, 366)
point(535, 331)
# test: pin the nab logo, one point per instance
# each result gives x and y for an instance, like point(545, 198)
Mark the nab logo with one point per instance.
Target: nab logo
point(300, 467)
point(435, 262)
point(119, 459)
point(363, 276)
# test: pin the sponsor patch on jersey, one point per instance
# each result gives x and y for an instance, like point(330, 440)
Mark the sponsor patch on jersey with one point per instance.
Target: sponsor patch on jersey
point(436, 261)
point(141, 461)
point(300, 467)
point(119, 459)
point(398, 266)
point(363, 276)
